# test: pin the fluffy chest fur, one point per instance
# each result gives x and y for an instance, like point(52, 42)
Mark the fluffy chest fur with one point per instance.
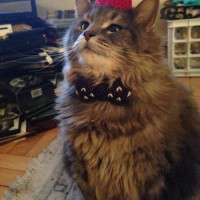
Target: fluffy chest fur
point(144, 165)
point(116, 167)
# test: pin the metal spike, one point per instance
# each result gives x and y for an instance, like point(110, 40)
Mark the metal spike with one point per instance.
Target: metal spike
point(86, 98)
point(119, 89)
point(129, 94)
point(83, 89)
point(92, 95)
point(110, 95)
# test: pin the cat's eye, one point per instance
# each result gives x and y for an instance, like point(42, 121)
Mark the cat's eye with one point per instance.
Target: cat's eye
point(84, 25)
point(114, 28)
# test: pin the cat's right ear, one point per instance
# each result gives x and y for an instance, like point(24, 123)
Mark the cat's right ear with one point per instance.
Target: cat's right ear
point(82, 6)
point(145, 14)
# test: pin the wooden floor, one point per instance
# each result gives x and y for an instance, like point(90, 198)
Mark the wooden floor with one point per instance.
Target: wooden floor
point(15, 156)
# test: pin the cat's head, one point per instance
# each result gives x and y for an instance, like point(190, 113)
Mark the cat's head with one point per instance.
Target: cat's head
point(107, 41)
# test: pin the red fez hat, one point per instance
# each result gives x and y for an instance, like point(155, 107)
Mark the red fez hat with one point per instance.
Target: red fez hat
point(119, 4)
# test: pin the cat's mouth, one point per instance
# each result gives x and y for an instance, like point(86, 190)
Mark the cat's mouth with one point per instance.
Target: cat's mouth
point(88, 49)
point(89, 46)
point(93, 49)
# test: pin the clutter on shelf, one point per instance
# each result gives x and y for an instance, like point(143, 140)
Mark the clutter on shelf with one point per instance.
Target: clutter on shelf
point(177, 9)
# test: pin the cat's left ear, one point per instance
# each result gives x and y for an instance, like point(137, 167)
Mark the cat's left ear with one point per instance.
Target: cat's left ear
point(145, 14)
point(82, 7)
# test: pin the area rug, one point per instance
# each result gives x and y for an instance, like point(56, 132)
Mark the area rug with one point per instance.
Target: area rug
point(45, 179)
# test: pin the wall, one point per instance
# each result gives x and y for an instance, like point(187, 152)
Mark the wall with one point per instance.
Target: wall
point(13, 6)
point(48, 5)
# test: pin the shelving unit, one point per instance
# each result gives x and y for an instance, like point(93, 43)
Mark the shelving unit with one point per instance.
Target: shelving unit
point(184, 47)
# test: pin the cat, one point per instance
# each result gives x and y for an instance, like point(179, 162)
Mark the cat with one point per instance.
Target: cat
point(130, 130)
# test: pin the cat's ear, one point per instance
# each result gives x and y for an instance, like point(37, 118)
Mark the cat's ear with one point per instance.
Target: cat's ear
point(145, 14)
point(82, 6)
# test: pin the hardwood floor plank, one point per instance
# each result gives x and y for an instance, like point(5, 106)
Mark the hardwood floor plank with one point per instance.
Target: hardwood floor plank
point(23, 146)
point(16, 156)
point(7, 147)
point(44, 141)
point(2, 191)
point(14, 162)
point(8, 176)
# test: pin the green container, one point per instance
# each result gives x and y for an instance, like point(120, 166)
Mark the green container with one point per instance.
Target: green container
point(177, 1)
point(191, 2)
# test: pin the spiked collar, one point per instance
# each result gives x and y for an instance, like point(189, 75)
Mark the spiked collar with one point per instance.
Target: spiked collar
point(87, 91)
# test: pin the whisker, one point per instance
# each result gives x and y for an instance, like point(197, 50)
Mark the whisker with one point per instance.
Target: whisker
point(118, 49)
point(116, 57)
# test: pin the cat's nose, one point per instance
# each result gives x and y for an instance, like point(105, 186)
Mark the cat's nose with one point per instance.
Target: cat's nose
point(89, 34)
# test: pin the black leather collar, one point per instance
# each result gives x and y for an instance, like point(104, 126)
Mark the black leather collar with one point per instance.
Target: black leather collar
point(87, 91)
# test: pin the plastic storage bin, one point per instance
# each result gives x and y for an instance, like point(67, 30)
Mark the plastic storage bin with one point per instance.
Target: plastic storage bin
point(184, 47)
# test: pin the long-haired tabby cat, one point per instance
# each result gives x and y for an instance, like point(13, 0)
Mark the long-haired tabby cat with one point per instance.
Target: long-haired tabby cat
point(131, 131)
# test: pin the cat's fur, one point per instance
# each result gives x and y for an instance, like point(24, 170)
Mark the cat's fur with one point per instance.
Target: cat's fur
point(146, 150)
